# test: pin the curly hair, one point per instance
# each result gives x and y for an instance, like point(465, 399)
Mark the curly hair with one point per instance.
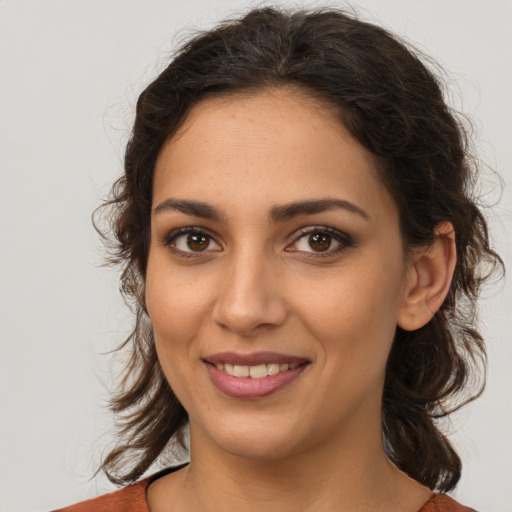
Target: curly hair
point(393, 105)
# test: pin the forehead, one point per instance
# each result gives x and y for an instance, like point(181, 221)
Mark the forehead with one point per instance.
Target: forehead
point(266, 148)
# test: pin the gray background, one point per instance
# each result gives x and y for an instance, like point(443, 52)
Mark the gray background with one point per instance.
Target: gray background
point(70, 74)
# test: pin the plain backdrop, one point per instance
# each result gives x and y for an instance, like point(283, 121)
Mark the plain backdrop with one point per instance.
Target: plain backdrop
point(70, 73)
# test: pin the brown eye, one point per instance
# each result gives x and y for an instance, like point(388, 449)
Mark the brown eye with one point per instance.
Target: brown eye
point(194, 241)
point(320, 242)
point(316, 241)
point(198, 242)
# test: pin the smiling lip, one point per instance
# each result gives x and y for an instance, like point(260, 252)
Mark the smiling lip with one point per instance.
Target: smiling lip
point(253, 359)
point(253, 388)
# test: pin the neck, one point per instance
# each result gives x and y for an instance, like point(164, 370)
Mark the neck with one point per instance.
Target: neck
point(352, 477)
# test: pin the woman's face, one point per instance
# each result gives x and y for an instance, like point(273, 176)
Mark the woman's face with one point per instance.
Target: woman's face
point(273, 243)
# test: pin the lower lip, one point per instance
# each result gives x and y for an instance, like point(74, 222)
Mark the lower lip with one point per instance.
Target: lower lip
point(248, 388)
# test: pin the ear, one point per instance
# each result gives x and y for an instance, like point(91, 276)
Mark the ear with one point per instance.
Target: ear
point(429, 277)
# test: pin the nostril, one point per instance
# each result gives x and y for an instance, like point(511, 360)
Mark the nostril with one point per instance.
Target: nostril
point(243, 317)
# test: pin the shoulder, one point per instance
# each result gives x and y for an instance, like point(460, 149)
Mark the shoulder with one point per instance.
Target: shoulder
point(129, 499)
point(443, 503)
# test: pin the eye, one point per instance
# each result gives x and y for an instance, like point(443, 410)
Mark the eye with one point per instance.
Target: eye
point(320, 240)
point(191, 240)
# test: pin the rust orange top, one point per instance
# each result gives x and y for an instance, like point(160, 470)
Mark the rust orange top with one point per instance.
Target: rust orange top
point(133, 499)
point(128, 499)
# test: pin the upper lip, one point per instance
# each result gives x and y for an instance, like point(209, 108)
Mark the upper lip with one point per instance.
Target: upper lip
point(254, 359)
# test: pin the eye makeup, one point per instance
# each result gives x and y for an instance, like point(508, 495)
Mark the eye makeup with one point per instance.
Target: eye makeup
point(310, 241)
point(323, 241)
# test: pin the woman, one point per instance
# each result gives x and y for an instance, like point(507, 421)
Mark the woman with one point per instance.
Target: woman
point(298, 234)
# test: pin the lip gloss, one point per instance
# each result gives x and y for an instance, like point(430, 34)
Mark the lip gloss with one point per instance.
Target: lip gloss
point(249, 388)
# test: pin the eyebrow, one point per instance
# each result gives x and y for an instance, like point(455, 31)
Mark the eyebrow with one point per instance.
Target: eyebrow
point(276, 213)
point(195, 208)
point(310, 207)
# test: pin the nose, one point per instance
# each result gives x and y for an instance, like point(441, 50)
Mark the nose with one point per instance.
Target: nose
point(249, 297)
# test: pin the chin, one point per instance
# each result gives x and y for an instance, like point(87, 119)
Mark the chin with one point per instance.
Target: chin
point(256, 448)
point(255, 440)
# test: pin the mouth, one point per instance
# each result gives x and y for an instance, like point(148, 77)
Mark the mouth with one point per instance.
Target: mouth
point(259, 371)
point(255, 375)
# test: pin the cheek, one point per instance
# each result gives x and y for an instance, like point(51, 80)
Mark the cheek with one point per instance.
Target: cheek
point(173, 310)
point(176, 301)
point(353, 316)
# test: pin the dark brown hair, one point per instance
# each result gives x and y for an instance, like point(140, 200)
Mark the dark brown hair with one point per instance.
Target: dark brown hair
point(393, 105)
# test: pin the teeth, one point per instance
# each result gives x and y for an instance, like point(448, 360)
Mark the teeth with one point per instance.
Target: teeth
point(258, 372)
point(255, 372)
point(240, 371)
point(272, 369)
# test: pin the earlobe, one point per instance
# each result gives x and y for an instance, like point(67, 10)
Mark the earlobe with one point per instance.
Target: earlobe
point(429, 279)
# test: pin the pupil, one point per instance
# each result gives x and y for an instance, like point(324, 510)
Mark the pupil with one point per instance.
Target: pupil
point(320, 242)
point(197, 242)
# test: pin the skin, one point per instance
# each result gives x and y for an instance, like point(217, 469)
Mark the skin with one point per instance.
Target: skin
point(261, 285)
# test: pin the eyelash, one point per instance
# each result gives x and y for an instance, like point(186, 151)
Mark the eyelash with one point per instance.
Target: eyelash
point(344, 240)
point(170, 239)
